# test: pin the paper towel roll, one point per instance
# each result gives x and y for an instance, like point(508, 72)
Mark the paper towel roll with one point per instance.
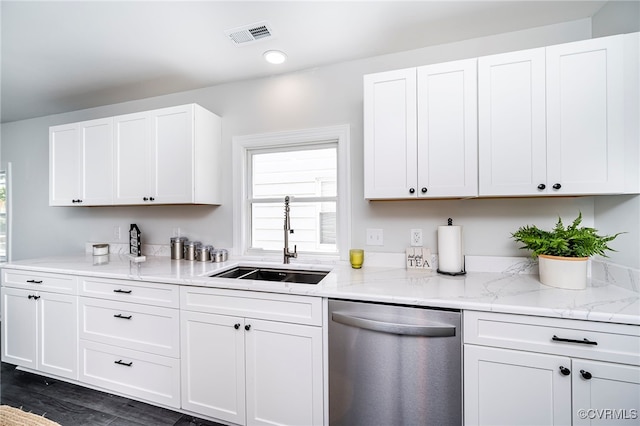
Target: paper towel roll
point(450, 250)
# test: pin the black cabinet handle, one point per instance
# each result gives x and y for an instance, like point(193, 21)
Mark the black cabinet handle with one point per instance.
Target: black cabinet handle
point(236, 326)
point(34, 281)
point(582, 342)
point(122, 291)
point(542, 186)
point(564, 370)
point(126, 364)
point(585, 375)
point(247, 327)
point(412, 190)
point(424, 190)
point(122, 316)
point(557, 186)
point(76, 201)
point(33, 296)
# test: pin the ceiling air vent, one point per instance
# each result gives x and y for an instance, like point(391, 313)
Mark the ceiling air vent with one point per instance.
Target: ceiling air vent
point(249, 33)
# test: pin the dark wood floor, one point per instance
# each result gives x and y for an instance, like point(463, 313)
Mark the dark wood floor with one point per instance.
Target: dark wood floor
point(72, 405)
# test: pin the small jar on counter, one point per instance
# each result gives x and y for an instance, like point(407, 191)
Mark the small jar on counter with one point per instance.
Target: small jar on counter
point(220, 255)
point(190, 248)
point(203, 253)
point(177, 247)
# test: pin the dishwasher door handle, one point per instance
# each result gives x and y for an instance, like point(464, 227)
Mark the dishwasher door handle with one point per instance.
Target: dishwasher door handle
point(395, 328)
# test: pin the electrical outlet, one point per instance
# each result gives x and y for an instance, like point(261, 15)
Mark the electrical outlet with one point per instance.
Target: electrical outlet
point(375, 237)
point(116, 233)
point(416, 237)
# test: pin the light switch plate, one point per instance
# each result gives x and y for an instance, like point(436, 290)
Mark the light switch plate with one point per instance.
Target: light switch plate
point(375, 237)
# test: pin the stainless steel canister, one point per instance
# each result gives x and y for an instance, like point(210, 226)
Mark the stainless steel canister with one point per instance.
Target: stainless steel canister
point(190, 249)
point(220, 255)
point(177, 247)
point(203, 253)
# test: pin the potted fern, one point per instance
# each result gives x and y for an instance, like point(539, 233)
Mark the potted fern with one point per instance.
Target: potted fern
point(563, 253)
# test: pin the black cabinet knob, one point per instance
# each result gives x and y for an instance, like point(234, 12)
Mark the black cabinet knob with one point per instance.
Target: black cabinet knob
point(585, 375)
point(542, 186)
point(424, 190)
point(236, 326)
point(151, 199)
point(412, 190)
point(564, 371)
point(557, 186)
point(247, 327)
point(145, 199)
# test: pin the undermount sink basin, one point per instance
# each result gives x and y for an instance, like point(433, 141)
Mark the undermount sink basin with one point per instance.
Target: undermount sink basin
point(273, 274)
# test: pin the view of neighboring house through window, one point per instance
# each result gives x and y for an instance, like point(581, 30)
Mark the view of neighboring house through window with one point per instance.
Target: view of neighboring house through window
point(308, 175)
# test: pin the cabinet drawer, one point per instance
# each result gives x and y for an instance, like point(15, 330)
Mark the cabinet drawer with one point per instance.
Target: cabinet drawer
point(130, 291)
point(145, 328)
point(277, 307)
point(150, 377)
point(56, 283)
point(584, 339)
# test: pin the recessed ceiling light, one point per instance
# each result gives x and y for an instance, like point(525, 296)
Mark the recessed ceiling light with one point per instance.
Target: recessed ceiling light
point(274, 56)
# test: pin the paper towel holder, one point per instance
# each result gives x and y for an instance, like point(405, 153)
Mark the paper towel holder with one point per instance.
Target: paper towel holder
point(463, 272)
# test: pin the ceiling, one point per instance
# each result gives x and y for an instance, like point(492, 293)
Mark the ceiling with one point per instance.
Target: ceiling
point(60, 56)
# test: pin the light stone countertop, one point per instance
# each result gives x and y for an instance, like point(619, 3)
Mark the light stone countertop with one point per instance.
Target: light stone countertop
point(497, 292)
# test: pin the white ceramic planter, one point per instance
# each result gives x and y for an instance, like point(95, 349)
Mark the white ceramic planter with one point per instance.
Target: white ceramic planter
point(563, 272)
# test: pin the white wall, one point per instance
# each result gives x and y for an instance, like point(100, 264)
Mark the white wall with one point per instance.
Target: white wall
point(313, 98)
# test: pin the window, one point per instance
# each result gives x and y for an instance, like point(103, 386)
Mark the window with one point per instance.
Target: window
point(310, 168)
point(3, 217)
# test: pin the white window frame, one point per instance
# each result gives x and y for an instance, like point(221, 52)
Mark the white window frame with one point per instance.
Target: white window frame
point(240, 147)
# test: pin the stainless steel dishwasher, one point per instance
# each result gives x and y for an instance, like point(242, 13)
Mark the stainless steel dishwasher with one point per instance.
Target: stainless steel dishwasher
point(394, 365)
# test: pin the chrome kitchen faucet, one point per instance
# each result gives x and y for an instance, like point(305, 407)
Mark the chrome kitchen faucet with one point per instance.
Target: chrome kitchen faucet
point(287, 230)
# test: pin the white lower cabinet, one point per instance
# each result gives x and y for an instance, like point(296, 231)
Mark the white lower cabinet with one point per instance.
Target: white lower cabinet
point(521, 370)
point(248, 368)
point(39, 328)
point(130, 338)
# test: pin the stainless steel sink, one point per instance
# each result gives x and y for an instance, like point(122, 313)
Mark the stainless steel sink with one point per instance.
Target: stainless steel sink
point(273, 274)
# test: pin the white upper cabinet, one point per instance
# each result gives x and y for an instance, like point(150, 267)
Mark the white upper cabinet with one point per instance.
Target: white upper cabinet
point(551, 120)
point(447, 130)
point(420, 132)
point(81, 163)
point(390, 135)
point(585, 116)
point(163, 156)
point(511, 115)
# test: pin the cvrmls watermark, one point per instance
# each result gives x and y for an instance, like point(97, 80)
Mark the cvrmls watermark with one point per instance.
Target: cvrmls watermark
point(608, 414)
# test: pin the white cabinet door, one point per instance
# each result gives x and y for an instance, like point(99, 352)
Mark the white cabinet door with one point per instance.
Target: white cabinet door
point(447, 130)
point(132, 134)
point(605, 393)
point(506, 387)
point(390, 135)
point(96, 143)
point(585, 116)
point(171, 165)
point(284, 373)
point(213, 371)
point(65, 164)
point(511, 124)
point(19, 327)
point(58, 334)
